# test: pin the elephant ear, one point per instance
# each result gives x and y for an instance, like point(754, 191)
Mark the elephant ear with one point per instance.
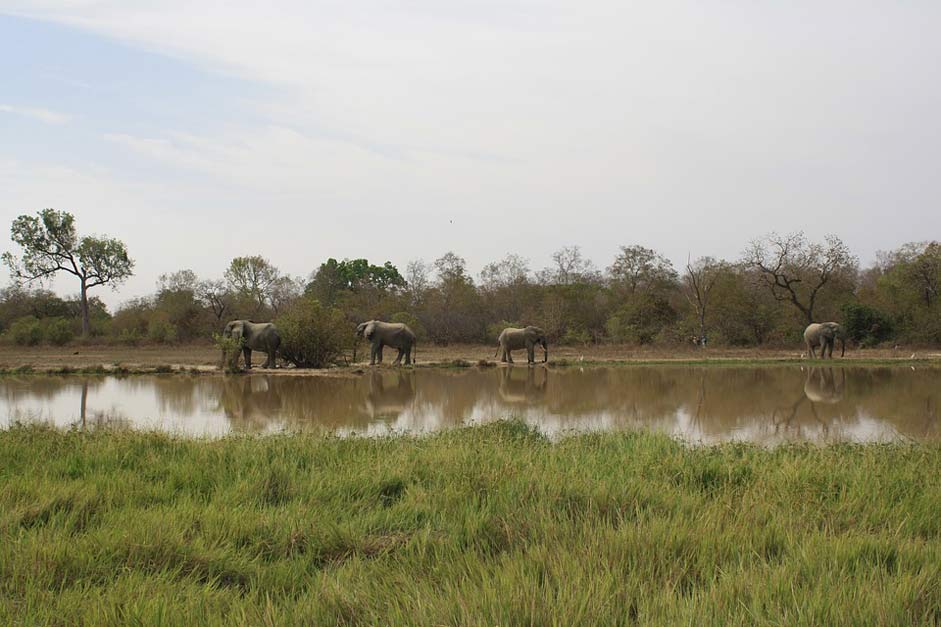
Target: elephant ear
point(237, 331)
point(369, 330)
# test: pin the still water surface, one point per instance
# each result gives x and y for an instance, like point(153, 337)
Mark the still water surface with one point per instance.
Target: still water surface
point(767, 405)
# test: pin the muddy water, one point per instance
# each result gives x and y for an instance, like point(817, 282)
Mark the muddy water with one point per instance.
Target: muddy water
point(766, 405)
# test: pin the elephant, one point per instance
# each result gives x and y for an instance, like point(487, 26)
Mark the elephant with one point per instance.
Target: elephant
point(394, 334)
point(824, 335)
point(259, 336)
point(512, 339)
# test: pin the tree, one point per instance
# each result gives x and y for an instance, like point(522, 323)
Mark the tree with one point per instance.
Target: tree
point(215, 295)
point(570, 267)
point(253, 278)
point(50, 245)
point(698, 282)
point(795, 270)
point(333, 278)
point(417, 280)
point(510, 271)
point(639, 269)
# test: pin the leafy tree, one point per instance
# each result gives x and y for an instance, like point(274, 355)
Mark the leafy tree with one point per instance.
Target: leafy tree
point(50, 245)
point(334, 278)
point(638, 269)
point(796, 270)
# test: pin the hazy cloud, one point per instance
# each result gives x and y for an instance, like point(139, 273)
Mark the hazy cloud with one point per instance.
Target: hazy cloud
point(37, 113)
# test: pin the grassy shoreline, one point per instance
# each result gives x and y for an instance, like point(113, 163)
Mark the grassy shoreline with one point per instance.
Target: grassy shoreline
point(481, 525)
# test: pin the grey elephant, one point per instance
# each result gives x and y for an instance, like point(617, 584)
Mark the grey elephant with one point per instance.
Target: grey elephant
point(824, 335)
point(394, 334)
point(258, 336)
point(512, 339)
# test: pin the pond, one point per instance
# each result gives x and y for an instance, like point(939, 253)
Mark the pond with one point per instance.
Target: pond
point(766, 405)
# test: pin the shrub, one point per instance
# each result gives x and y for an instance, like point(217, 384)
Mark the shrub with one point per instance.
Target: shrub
point(313, 336)
point(26, 331)
point(865, 325)
point(641, 321)
point(57, 331)
point(231, 349)
point(161, 331)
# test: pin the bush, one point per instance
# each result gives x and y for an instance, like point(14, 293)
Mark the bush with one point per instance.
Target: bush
point(313, 336)
point(26, 331)
point(865, 325)
point(641, 321)
point(161, 331)
point(231, 350)
point(57, 331)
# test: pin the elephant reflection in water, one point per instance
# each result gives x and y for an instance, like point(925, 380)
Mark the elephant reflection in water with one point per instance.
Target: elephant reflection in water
point(250, 403)
point(391, 393)
point(523, 386)
point(821, 387)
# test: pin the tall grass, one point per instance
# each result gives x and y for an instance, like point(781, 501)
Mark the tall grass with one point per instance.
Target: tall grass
point(486, 525)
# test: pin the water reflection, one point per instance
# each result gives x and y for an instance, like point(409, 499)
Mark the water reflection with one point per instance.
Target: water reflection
point(766, 405)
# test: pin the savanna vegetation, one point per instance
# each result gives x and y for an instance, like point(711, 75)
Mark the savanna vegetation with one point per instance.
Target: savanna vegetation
point(764, 298)
point(483, 525)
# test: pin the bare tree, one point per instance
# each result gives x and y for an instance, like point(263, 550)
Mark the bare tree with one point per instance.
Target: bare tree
point(570, 267)
point(254, 278)
point(417, 280)
point(796, 270)
point(698, 281)
point(511, 270)
point(215, 295)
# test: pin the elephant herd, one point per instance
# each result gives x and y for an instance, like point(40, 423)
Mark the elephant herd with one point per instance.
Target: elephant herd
point(264, 337)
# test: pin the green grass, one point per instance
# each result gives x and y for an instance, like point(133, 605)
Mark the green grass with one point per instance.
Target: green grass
point(486, 525)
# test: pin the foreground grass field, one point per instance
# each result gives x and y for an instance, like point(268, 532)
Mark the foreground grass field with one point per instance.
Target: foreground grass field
point(486, 525)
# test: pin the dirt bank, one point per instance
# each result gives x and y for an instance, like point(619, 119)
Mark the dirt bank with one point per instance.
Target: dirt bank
point(206, 358)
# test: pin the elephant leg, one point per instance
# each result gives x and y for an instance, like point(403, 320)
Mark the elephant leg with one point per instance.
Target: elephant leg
point(408, 356)
point(509, 356)
point(503, 354)
point(247, 352)
point(531, 354)
point(398, 358)
point(379, 352)
point(269, 363)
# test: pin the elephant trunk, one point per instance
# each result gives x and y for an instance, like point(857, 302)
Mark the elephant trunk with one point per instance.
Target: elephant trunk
point(545, 352)
point(842, 346)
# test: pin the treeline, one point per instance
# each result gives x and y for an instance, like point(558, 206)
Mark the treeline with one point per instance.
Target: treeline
point(766, 297)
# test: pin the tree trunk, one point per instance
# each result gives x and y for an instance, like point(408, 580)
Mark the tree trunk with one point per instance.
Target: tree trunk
point(86, 324)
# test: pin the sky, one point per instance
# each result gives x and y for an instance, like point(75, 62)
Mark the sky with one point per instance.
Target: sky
point(200, 131)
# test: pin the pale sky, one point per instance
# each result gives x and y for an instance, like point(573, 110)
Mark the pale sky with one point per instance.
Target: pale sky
point(200, 131)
